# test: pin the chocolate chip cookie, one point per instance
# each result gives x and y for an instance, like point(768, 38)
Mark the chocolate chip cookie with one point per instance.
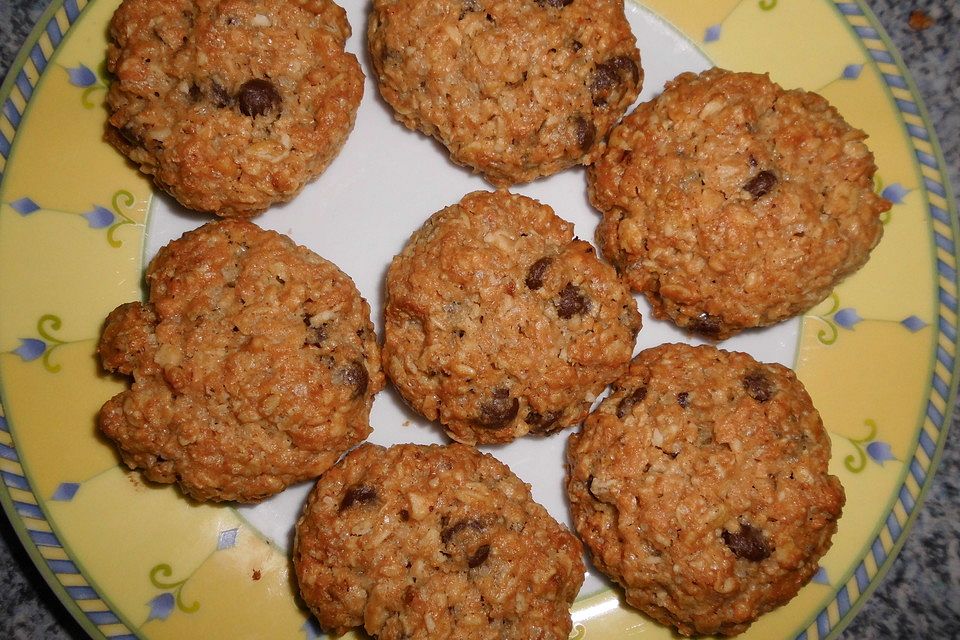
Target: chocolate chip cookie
point(434, 542)
point(231, 105)
point(254, 365)
point(732, 203)
point(499, 322)
point(515, 89)
point(700, 485)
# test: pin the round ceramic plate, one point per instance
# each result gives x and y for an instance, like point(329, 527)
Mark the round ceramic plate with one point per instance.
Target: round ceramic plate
point(78, 225)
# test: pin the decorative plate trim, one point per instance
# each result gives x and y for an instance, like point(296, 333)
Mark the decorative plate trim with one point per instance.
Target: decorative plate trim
point(928, 447)
point(16, 493)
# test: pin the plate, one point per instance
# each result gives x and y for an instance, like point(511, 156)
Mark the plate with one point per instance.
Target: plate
point(78, 225)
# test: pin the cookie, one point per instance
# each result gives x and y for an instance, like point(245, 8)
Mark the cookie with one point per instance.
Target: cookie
point(700, 485)
point(498, 322)
point(254, 365)
point(732, 203)
point(434, 542)
point(231, 105)
point(514, 89)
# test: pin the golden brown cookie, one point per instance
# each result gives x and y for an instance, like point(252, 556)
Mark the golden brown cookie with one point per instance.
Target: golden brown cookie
point(732, 203)
point(515, 89)
point(434, 542)
point(254, 365)
point(700, 485)
point(499, 322)
point(231, 105)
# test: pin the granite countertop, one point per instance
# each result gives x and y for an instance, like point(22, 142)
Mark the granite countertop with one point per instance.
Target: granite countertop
point(920, 596)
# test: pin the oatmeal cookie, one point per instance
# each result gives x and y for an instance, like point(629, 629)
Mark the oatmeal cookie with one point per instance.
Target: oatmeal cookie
point(515, 89)
point(231, 105)
point(434, 542)
point(732, 203)
point(254, 363)
point(700, 485)
point(499, 322)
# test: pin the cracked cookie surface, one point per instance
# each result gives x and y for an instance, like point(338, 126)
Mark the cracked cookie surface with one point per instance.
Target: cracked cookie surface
point(499, 323)
point(700, 485)
point(231, 105)
point(254, 365)
point(515, 89)
point(732, 203)
point(434, 542)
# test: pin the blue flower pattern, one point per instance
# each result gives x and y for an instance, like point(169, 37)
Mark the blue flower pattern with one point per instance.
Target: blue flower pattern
point(97, 217)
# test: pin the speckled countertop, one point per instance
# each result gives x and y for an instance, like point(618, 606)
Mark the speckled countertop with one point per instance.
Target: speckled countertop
point(920, 596)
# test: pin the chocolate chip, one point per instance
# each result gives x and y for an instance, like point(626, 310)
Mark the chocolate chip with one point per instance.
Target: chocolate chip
point(220, 96)
point(195, 93)
point(542, 422)
point(128, 134)
point(556, 4)
point(611, 74)
point(683, 399)
point(585, 133)
point(761, 184)
point(257, 97)
point(358, 494)
point(447, 534)
point(707, 325)
point(571, 302)
point(748, 543)
point(758, 386)
point(479, 556)
point(315, 335)
point(627, 403)
point(498, 411)
point(354, 375)
point(404, 515)
point(536, 273)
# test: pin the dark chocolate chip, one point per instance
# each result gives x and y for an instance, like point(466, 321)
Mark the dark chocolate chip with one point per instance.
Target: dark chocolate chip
point(748, 543)
point(195, 93)
point(257, 97)
point(358, 494)
point(128, 134)
point(571, 302)
point(585, 132)
point(536, 273)
point(611, 74)
point(404, 515)
point(447, 534)
point(315, 335)
point(556, 4)
point(498, 411)
point(355, 375)
point(758, 386)
point(542, 422)
point(627, 403)
point(707, 325)
point(761, 184)
point(479, 556)
point(683, 399)
point(220, 96)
